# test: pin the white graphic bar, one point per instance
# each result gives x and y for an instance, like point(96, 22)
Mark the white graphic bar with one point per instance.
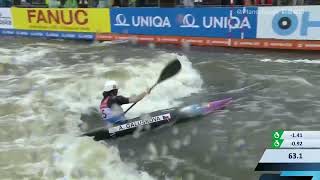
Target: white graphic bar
point(300, 143)
point(301, 135)
point(291, 156)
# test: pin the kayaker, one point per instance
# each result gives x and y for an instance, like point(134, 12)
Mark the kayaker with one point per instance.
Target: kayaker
point(110, 106)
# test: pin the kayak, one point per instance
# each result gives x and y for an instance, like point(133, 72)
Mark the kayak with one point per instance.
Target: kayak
point(157, 119)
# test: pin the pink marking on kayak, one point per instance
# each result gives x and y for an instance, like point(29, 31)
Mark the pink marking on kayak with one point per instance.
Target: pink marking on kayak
point(217, 105)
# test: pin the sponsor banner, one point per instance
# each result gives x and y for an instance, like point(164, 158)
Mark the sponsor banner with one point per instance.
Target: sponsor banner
point(179, 40)
point(5, 18)
point(231, 22)
point(206, 41)
point(62, 19)
point(7, 32)
point(295, 22)
point(49, 34)
point(135, 124)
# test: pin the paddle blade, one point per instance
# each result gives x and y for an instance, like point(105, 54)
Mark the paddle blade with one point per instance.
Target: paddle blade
point(170, 70)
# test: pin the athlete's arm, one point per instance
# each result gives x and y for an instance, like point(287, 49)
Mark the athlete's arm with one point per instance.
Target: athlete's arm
point(137, 98)
point(121, 100)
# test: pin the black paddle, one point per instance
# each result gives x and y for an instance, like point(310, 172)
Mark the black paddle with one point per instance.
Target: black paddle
point(169, 71)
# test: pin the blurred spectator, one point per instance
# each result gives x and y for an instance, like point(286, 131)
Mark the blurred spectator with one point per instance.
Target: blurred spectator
point(225, 2)
point(188, 3)
point(232, 2)
point(54, 3)
point(263, 2)
point(198, 2)
point(132, 3)
point(247, 2)
point(297, 2)
point(5, 3)
point(290, 2)
point(71, 4)
point(93, 3)
point(238, 2)
point(311, 2)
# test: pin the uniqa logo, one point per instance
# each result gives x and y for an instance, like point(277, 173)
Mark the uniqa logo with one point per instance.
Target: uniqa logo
point(232, 22)
point(189, 21)
point(58, 16)
point(286, 22)
point(143, 21)
point(121, 20)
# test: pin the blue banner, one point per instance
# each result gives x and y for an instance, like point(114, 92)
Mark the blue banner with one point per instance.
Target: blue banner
point(48, 34)
point(231, 22)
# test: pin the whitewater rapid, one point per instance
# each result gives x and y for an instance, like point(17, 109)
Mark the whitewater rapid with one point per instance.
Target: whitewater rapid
point(43, 96)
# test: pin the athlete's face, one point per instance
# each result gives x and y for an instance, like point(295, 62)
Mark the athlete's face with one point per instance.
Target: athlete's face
point(115, 92)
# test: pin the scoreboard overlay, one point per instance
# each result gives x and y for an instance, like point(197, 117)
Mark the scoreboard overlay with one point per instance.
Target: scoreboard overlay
point(296, 154)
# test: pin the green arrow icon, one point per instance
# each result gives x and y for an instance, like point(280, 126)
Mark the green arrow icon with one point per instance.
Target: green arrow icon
point(277, 143)
point(277, 134)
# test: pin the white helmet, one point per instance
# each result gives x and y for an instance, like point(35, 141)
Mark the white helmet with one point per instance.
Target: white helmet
point(110, 85)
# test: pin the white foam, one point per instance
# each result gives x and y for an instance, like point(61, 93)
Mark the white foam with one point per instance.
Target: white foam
point(24, 55)
point(82, 84)
point(301, 80)
point(108, 43)
point(60, 94)
point(166, 94)
point(288, 80)
point(292, 61)
point(82, 158)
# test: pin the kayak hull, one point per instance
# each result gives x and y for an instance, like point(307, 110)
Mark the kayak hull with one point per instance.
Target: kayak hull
point(158, 118)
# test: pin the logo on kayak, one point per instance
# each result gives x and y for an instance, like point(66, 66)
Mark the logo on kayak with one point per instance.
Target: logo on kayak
point(163, 117)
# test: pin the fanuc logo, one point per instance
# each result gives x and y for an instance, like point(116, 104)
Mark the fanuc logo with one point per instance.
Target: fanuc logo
point(286, 23)
point(58, 16)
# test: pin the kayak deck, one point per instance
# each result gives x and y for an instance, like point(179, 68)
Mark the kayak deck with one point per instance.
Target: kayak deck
point(158, 118)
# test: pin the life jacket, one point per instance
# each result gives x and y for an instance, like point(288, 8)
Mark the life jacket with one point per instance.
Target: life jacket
point(107, 113)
